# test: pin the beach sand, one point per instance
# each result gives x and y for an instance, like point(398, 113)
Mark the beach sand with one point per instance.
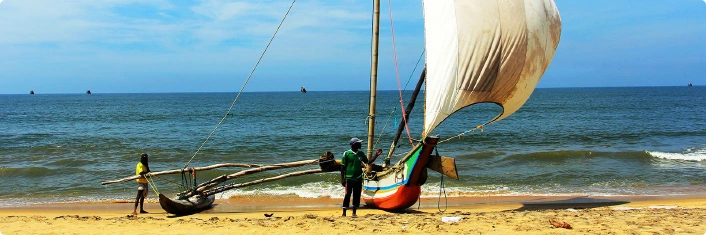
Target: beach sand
point(476, 215)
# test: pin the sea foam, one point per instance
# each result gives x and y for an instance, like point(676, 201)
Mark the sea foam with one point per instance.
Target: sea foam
point(688, 155)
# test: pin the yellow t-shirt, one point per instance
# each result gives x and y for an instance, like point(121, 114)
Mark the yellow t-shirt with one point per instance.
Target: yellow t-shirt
point(139, 169)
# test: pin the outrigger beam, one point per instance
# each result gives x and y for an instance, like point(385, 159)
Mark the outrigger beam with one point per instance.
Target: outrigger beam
point(214, 182)
point(254, 182)
point(179, 171)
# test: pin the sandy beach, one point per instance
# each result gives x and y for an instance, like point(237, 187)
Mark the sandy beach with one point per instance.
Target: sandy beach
point(475, 215)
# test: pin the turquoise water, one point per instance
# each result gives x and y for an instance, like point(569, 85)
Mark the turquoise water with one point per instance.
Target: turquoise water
point(567, 141)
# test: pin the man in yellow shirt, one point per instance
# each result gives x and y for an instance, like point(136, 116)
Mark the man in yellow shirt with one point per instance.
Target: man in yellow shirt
point(142, 184)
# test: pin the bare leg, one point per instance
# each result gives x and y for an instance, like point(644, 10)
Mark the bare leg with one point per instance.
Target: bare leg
point(142, 203)
point(137, 200)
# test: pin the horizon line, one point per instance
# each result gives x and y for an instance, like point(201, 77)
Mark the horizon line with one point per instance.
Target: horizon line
point(297, 91)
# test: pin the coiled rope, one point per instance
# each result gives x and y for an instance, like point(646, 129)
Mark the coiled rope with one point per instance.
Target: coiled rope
point(243, 87)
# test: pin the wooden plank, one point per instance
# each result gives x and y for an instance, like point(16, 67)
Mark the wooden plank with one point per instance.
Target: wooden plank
point(444, 165)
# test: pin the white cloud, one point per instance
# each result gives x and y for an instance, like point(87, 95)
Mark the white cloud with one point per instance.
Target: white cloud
point(111, 39)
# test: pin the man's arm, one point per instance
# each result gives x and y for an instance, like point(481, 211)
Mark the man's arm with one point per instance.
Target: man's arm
point(372, 159)
point(343, 170)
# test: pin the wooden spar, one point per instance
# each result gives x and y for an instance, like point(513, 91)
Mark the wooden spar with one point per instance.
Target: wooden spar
point(212, 183)
point(410, 106)
point(373, 77)
point(179, 171)
point(254, 182)
point(444, 165)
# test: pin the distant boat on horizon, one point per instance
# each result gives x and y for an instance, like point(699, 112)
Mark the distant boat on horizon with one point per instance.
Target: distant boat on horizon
point(88, 92)
point(303, 90)
point(31, 92)
point(689, 84)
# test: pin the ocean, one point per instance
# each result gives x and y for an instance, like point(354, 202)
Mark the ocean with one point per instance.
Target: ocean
point(563, 141)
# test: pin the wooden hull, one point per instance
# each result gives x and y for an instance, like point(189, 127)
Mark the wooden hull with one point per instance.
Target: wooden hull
point(398, 190)
point(185, 207)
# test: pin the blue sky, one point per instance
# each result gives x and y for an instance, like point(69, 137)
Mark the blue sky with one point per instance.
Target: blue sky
point(125, 46)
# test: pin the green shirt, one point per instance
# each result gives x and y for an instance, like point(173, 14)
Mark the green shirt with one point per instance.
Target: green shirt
point(353, 163)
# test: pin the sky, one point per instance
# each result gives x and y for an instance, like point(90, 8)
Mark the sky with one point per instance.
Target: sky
point(147, 46)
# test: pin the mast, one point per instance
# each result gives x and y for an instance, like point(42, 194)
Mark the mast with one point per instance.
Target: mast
point(373, 77)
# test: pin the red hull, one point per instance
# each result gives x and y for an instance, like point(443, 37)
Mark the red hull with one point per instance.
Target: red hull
point(405, 197)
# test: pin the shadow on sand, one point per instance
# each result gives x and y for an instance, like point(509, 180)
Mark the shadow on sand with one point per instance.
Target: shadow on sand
point(574, 203)
point(191, 213)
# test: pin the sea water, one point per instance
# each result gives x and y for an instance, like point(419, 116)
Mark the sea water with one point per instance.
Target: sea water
point(563, 141)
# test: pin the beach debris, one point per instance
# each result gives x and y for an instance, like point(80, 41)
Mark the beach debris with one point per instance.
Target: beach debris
point(572, 210)
point(450, 219)
point(269, 215)
point(560, 224)
point(623, 208)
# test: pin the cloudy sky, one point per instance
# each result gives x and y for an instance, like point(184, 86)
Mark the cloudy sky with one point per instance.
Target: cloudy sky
point(126, 46)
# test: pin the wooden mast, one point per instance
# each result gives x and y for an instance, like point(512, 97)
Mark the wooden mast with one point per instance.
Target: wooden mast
point(373, 77)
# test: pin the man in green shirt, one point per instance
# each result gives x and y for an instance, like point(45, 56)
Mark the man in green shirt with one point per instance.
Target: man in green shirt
point(352, 173)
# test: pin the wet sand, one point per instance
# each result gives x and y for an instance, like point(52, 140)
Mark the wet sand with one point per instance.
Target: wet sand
point(292, 215)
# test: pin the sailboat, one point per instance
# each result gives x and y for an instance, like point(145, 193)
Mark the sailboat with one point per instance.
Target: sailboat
point(490, 51)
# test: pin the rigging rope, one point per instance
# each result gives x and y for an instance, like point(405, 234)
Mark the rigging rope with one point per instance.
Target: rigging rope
point(383, 127)
point(463, 133)
point(169, 181)
point(397, 72)
point(152, 185)
point(415, 69)
point(243, 87)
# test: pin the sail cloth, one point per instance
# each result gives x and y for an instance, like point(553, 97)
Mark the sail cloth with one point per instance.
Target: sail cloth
point(485, 51)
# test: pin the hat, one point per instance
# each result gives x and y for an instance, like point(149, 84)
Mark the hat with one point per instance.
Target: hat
point(144, 155)
point(355, 140)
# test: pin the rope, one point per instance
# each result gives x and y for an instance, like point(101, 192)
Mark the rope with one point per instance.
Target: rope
point(438, 203)
point(441, 187)
point(385, 126)
point(419, 201)
point(397, 72)
point(243, 87)
point(463, 133)
point(169, 181)
point(185, 181)
point(415, 69)
point(152, 185)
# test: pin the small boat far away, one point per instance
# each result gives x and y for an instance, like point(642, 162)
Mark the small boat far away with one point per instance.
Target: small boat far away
point(689, 84)
point(88, 92)
point(303, 90)
point(31, 92)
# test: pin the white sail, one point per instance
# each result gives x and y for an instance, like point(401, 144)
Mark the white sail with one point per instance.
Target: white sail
point(485, 51)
